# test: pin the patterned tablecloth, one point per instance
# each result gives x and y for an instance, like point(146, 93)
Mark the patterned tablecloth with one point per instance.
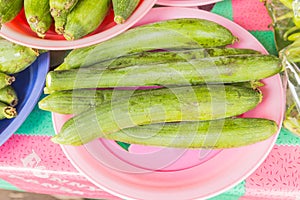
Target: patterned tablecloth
point(29, 161)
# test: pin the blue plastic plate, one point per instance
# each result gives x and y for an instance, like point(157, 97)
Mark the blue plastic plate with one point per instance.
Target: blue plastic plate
point(29, 84)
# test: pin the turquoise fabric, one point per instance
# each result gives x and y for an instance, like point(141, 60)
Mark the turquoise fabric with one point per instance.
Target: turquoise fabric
point(232, 194)
point(39, 122)
point(7, 186)
point(266, 38)
point(287, 138)
point(223, 8)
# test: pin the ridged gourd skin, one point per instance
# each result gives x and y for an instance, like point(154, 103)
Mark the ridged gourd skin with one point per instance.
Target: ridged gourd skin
point(59, 10)
point(37, 13)
point(193, 103)
point(169, 34)
point(157, 57)
point(85, 17)
point(7, 112)
point(222, 69)
point(6, 80)
point(8, 96)
point(15, 58)
point(77, 101)
point(215, 134)
point(123, 9)
point(9, 9)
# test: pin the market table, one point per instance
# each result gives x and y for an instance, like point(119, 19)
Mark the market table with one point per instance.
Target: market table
point(30, 162)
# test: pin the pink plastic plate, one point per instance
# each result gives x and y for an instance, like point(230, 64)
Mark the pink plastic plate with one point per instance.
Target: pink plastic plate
point(166, 173)
point(185, 2)
point(18, 31)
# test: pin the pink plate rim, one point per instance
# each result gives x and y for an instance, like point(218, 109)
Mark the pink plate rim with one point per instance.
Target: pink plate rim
point(38, 43)
point(187, 3)
point(202, 181)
